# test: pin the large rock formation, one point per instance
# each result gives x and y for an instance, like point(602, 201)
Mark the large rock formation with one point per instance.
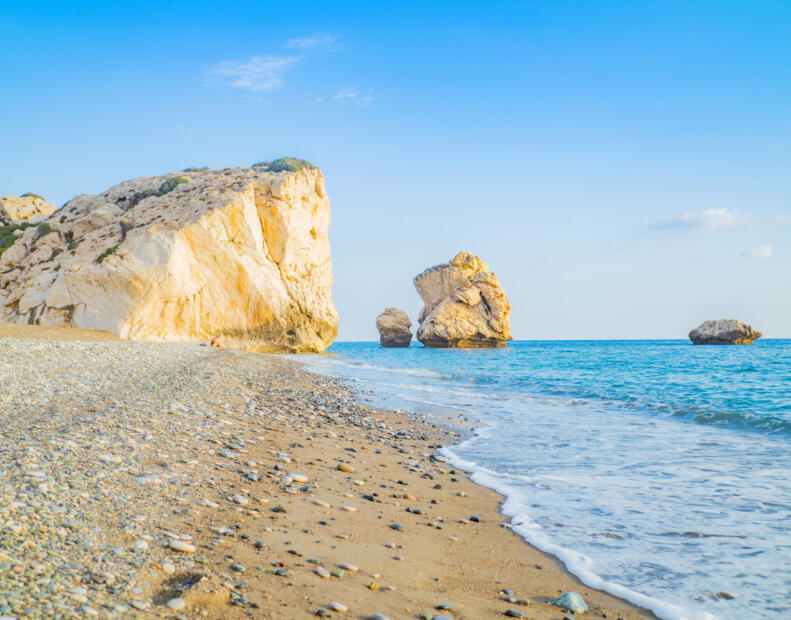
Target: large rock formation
point(29, 208)
point(464, 305)
point(394, 328)
point(238, 255)
point(724, 331)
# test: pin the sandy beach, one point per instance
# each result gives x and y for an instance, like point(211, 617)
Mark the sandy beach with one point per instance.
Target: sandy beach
point(183, 481)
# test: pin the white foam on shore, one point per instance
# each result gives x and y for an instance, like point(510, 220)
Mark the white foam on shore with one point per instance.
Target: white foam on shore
point(576, 563)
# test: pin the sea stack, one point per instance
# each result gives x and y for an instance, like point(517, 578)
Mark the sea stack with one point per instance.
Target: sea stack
point(394, 328)
point(237, 255)
point(465, 306)
point(724, 331)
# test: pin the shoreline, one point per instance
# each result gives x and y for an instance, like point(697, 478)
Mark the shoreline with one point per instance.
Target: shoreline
point(236, 457)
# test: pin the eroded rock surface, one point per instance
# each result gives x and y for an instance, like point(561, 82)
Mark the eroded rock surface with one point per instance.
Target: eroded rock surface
point(238, 255)
point(724, 331)
point(394, 328)
point(465, 306)
point(28, 208)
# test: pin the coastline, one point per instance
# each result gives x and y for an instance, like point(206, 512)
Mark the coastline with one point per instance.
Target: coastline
point(201, 444)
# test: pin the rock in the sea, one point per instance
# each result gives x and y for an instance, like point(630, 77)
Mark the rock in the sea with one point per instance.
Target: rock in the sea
point(465, 306)
point(393, 325)
point(571, 601)
point(724, 331)
point(28, 208)
point(238, 255)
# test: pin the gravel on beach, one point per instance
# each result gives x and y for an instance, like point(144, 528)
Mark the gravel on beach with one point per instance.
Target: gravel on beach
point(176, 480)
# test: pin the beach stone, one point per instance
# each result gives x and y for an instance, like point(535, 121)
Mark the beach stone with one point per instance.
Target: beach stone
point(339, 607)
point(398, 527)
point(571, 601)
point(513, 613)
point(349, 567)
point(346, 468)
point(176, 604)
point(378, 616)
point(183, 547)
point(322, 572)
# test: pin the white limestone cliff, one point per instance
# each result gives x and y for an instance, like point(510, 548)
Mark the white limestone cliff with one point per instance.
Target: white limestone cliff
point(238, 255)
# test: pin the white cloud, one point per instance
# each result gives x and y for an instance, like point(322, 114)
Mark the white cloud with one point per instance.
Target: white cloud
point(783, 219)
point(318, 40)
point(710, 219)
point(350, 95)
point(259, 74)
point(761, 252)
point(266, 73)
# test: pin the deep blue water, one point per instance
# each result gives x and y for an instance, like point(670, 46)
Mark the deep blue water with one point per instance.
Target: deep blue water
point(658, 470)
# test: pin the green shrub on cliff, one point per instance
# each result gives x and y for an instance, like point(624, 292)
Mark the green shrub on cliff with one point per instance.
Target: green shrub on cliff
point(106, 253)
point(284, 164)
point(171, 184)
point(7, 236)
point(43, 229)
point(31, 195)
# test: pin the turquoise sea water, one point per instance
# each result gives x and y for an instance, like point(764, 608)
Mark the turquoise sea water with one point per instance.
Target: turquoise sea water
point(657, 470)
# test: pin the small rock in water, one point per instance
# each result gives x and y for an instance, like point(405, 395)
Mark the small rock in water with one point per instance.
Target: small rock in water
point(571, 601)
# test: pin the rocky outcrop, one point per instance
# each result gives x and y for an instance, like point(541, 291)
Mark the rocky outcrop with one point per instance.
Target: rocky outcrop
point(465, 306)
point(394, 328)
point(237, 255)
point(20, 209)
point(724, 331)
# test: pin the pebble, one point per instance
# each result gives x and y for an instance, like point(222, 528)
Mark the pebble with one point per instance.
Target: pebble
point(346, 468)
point(322, 572)
point(349, 567)
point(378, 616)
point(571, 601)
point(397, 526)
point(183, 547)
point(513, 613)
point(339, 607)
point(321, 503)
point(349, 508)
point(176, 604)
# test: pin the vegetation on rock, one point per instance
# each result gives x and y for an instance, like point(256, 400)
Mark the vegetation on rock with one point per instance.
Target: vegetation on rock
point(284, 164)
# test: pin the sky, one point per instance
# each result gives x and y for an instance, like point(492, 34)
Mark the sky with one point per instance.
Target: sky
point(623, 167)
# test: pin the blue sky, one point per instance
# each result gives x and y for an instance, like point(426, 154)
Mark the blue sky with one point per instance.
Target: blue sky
point(624, 167)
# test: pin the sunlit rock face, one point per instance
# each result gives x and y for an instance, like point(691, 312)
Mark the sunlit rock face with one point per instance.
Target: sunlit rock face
point(24, 209)
point(238, 255)
point(465, 306)
point(724, 331)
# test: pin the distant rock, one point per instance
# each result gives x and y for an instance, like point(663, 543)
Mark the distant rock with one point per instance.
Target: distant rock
point(29, 208)
point(724, 331)
point(465, 306)
point(394, 328)
point(237, 256)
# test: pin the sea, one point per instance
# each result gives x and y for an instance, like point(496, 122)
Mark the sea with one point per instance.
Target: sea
point(658, 471)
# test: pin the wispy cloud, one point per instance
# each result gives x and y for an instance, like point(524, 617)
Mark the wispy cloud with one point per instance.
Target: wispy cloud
point(710, 219)
point(266, 73)
point(783, 219)
point(318, 40)
point(350, 95)
point(259, 74)
point(761, 252)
